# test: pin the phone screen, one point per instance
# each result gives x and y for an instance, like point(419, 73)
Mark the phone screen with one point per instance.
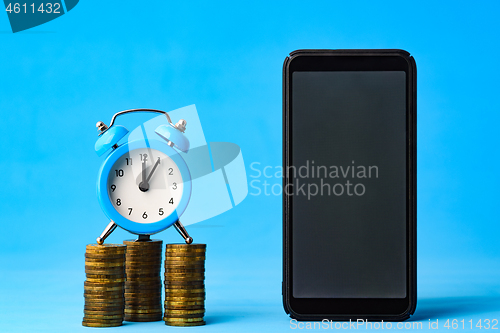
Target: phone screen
point(348, 165)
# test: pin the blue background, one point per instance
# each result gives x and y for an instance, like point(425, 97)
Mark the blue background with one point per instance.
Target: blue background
point(59, 79)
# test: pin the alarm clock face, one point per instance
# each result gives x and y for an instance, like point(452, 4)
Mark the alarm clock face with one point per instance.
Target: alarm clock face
point(145, 185)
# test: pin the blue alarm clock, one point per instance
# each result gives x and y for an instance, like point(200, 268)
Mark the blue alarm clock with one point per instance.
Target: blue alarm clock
point(143, 186)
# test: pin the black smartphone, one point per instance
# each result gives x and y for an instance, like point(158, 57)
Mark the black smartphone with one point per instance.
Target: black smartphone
point(349, 186)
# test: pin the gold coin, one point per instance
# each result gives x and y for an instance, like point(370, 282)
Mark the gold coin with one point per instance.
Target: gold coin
point(139, 311)
point(103, 309)
point(87, 324)
point(143, 246)
point(184, 320)
point(95, 271)
point(143, 319)
point(103, 294)
point(106, 264)
point(145, 279)
point(103, 316)
point(145, 262)
point(111, 275)
point(105, 256)
point(102, 285)
point(198, 323)
point(176, 291)
point(108, 301)
point(183, 254)
point(183, 287)
point(143, 290)
point(142, 301)
point(186, 246)
point(105, 260)
point(144, 307)
point(186, 278)
point(133, 316)
point(184, 315)
point(131, 277)
point(116, 303)
point(177, 303)
point(135, 283)
point(175, 275)
point(183, 312)
point(142, 295)
point(106, 248)
point(139, 299)
point(179, 253)
point(190, 297)
point(175, 258)
point(140, 265)
point(90, 314)
point(180, 264)
point(186, 267)
point(145, 270)
point(105, 275)
point(118, 268)
point(191, 258)
point(183, 283)
point(184, 307)
point(106, 289)
point(140, 285)
point(104, 298)
point(184, 294)
point(99, 280)
point(102, 320)
point(144, 315)
point(143, 274)
point(184, 270)
point(183, 299)
point(143, 259)
point(140, 256)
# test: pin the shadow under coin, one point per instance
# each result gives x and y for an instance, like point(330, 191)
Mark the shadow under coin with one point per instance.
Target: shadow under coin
point(219, 319)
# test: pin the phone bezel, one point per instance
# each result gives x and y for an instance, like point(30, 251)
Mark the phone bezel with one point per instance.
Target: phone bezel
point(352, 308)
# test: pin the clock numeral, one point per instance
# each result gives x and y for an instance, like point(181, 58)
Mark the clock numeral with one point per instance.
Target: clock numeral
point(144, 216)
point(170, 171)
point(129, 160)
point(119, 173)
point(118, 202)
point(113, 187)
point(174, 186)
point(171, 201)
point(144, 157)
point(161, 212)
point(130, 211)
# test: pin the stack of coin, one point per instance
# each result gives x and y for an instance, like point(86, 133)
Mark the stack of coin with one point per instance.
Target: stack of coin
point(104, 287)
point(185, 284)
point(143, 286)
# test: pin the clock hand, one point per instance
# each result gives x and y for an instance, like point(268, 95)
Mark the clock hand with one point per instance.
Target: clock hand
point(144, 185)
point(152, 171)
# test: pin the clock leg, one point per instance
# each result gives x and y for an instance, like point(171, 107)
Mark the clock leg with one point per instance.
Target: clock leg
point(109, 229)
point(180, 228)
